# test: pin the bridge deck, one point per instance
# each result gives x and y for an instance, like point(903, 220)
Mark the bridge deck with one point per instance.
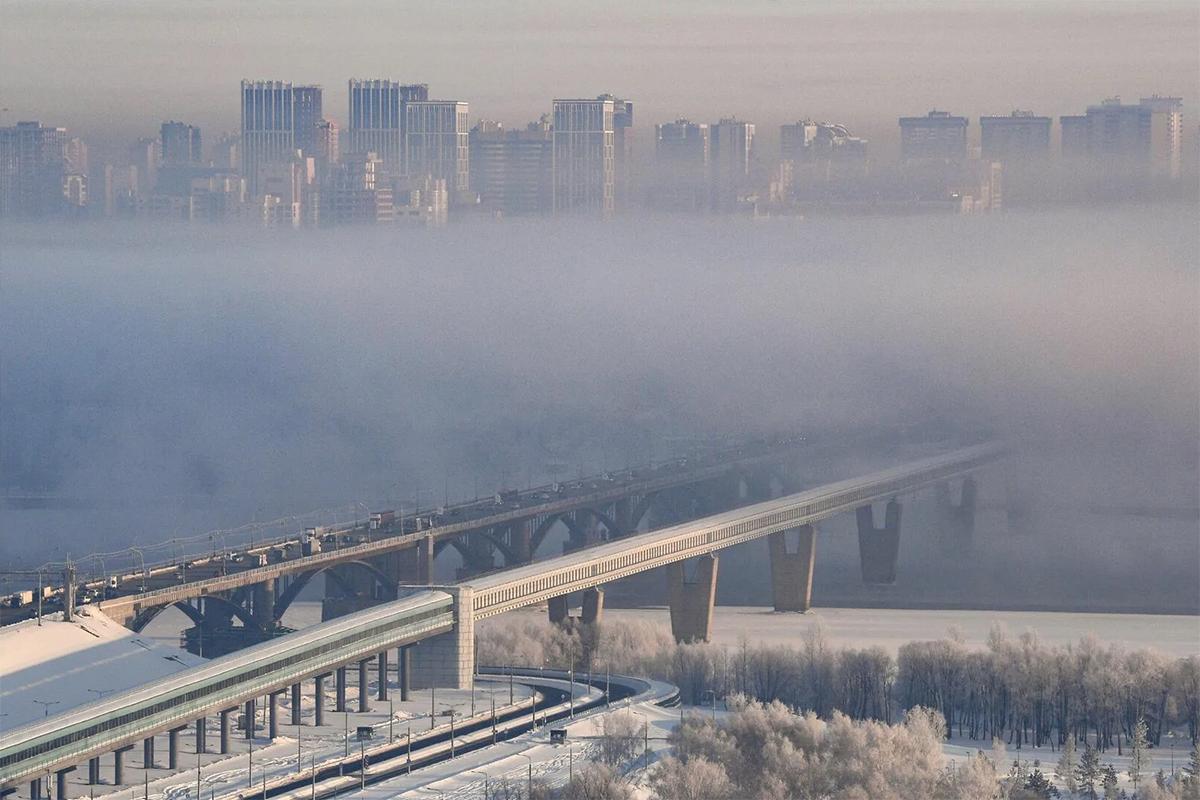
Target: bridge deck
point(538, 582)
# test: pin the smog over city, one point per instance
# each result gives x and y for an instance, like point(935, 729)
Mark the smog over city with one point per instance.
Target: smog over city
point(675, 402)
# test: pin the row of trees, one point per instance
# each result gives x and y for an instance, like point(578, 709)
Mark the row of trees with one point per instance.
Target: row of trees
point(1017, 689)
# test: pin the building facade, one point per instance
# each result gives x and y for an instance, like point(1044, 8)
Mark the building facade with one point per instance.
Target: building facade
point(437, 142)
point(512, 171)
point(1020, 137)
point(591, 170)
point(732, 143)
point(1138, 140)
point(376, 120)
point(937, 136)
point(180, 145)
point(277, 120)
point(33, 163)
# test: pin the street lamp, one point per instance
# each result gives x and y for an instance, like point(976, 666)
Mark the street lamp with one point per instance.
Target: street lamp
point(485, 780)
point(45, 704)
point(530, 760)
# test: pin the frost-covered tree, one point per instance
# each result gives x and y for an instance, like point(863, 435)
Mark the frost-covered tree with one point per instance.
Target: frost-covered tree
point(1068, 762)
point(1108, 781)
point(697, 779)
point(1087, 774)
point(1139, 753)
point(595, 781)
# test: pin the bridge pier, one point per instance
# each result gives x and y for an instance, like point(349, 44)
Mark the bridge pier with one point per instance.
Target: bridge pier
point(249, 717)
point(147, 753)
point(381, 664)
point(363, 686)
point(319, 700)
point(404, 671)
point(520, 541)
point(590, 613)
point(339, 690)
point(35, 789)
point(692, 600)
point(958, 520)
point(201, 735)
point(94, 770)
point(295, 703)
point(878, 548)
point(223, 742)
point(272, 716)
point(448, 659)
point(119, 764)
point(173, 748)
point(792, 572)
point(60, 782)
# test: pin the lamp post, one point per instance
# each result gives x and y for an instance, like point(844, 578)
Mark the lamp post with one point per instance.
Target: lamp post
point(485, 780)
point(529, 792)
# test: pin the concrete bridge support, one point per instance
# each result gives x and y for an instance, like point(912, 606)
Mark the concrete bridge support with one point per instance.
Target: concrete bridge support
point(60, 782)
point(35, 789)
point(878, 548)
point(404, 671)
point(201, 735)
point(520, 541)
point(364, 686)
point(262, 604)
point(94, 770)
point(147, 753)
point(272, 716)
point(792, 570)
point(173, 748)
point(249, 718)
point(223, 742)
point(339, 690)
point(590, 613)
point(692, 600)
point(295, 703)
point(119, 764)
point(319, 700)
point(958, 520)
point(381, 664)
point(448, 659)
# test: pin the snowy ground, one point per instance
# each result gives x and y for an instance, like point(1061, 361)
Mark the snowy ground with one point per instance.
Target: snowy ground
point(59, 665)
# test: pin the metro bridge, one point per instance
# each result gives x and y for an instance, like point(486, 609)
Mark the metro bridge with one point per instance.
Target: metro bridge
point(442, 619)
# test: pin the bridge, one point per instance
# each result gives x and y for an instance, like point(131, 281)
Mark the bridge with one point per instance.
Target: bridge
point(364, 563)
point(442, 619)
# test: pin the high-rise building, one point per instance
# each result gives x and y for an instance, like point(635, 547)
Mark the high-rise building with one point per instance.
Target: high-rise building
point(362, 192)
point(586, 153)
point(1142, 139)
point(437, 142)
point(376, 120)
point(937, 136)
point(682, 159)
point(807, 141)
point(33, 162)
point(512, 171)
point(622, 149)
point(226, 153)
point(277, 120)
point(180, 145)
point(732, 143)
point(327, 150)
point(1020, 137)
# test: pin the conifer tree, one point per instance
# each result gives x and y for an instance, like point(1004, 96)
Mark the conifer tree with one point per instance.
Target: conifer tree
point(1064, 771)
point(1088, 772)
point(1139, 753)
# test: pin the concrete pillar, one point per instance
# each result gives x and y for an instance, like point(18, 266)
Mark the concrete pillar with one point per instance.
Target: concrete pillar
point(404, 671)
point(425, 560)
point(60, 782)
point(520, 541)
point(792, 572)
point(148, 753)
point(363, 686)
point(878, 548)
point(559, 611)
point(223, 743)
point(593, 606)
point(381, 662)
point(249, 710)
point(263, 604)
point(296, 704)
point(319, 700)
point(958, 520)
point(201, 736)
point(93, 770)
point(119, 766)
point(448, 659)
point(35, 789)
point(692, 601)
point(339, 691)
point(622, 512)
point(272, 716)
point(173, 748)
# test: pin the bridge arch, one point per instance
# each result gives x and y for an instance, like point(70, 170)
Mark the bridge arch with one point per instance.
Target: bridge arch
point(289, 595)
point(197, 616)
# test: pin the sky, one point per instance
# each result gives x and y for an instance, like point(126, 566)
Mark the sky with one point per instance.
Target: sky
point(115, 70)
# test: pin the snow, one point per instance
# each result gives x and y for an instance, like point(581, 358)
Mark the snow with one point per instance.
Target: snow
point(55, 666)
